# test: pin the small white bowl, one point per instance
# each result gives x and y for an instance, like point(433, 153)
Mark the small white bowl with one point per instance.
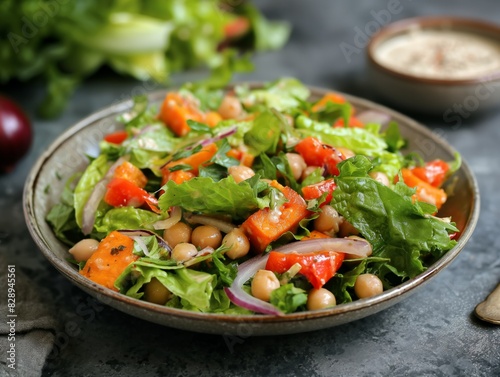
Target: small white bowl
point(408, 80)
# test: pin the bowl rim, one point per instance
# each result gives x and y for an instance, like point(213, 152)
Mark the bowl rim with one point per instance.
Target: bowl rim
point(472, 25)
point(118, 300)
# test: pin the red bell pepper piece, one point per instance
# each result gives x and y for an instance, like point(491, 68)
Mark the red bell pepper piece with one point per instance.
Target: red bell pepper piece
point(315, 153)
point(317, 267)
point(117, 137)
point(353, 123)
point(328, 97)
point(122, 192)
point(433, 172)
point(131, 173)
point(266, 225)
point(425, 191)
point(195, 161)
point(315, 190)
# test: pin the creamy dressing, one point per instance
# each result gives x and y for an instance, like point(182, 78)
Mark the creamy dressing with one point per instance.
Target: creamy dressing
point(440, 54)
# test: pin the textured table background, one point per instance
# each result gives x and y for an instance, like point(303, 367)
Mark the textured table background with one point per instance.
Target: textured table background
point(433, 333)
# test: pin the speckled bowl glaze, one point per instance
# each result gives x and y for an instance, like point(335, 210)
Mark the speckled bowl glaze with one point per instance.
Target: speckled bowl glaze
point(67, 155)
point(446, 98)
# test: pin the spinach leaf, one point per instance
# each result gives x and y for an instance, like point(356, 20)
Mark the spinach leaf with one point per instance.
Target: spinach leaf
point(204, 195)
point(397, 228)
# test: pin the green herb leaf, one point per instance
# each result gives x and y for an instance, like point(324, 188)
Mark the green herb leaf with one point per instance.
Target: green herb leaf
point(288, 298)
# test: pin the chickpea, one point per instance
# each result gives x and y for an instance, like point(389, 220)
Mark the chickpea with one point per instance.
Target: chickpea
point(346, 229)
point(177, 233)
point(184, 252)
point(206, 236)
point(263, 283)
point(368, 285)
point(84, 249)
point(328, 220)
point(156, 292)
point(297, 164)
point(320, 299)
point(230, 108)
point(380, 177)
point(238, 243)
point(240, 173)
point(347, 153)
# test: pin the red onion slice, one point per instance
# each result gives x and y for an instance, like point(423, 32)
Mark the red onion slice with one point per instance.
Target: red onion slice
point(372, 116)
point(354, 246)
point(238, 296)
point(175, 217)
point(201, 253)
point(141, 244)
point(90, 208)
point(222, 135)
point(222, 225)
point(145, 233)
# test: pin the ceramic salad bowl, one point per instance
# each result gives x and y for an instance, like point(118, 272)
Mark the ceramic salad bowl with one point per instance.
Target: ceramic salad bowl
point(68, 154)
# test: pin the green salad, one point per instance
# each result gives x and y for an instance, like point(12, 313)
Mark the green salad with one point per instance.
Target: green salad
point(254, 200)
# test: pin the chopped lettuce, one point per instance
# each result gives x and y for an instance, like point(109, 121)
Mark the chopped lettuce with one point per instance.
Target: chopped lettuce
point(192, 290)
point(288, 298)
point(126, 218)
point(155, 251)
point(92, 175)
point(282, 95)
point(367, 141)
point(204, 195)
point(62, 216)
point(193, 287)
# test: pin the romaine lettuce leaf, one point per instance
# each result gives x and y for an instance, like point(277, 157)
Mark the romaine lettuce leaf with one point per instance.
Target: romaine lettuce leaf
point(126, 218)
point(62, 216)
point(150, 146)
point(93, 174)
point(194, 287)
point(365, 141)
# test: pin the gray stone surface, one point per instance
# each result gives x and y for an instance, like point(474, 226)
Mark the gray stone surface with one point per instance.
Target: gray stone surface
point(433, 333)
